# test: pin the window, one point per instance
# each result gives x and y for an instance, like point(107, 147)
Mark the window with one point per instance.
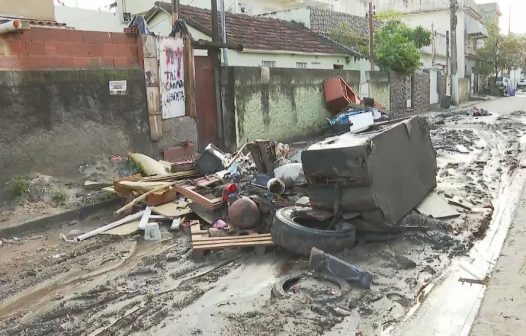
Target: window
point(337, 66)
point(316, 65)
point(301, 65)
point(268, 64)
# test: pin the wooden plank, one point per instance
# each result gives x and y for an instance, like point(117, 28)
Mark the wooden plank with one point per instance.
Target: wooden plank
point(171, 176)
point(153, 100)
point(210, 204)
point(226, 242)
point(149, 46)
point(220, 246)
point(265, 235)
point(171, 210)
point(151, 72)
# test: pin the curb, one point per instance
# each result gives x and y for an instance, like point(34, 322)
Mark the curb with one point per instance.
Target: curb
point(42, 224)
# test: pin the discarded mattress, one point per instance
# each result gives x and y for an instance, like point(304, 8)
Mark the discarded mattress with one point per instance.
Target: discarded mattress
point(382, 174)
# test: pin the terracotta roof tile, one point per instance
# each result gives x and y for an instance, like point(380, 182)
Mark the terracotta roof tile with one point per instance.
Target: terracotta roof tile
point(255, 32)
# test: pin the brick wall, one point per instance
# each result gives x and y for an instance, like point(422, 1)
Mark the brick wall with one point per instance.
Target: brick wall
point(48, 49)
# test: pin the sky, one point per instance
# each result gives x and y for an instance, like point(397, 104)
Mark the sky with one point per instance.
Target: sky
point(518, 9)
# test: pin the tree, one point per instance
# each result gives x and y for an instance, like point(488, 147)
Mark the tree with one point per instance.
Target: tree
point(501, 52)
point(346, 36)
point(397, 46)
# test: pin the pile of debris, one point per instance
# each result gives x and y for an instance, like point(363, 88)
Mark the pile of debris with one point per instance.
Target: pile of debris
point(260, 196)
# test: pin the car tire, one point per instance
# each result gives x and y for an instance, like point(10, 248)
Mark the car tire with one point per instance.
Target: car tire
point(288, 233)
point(280, 288)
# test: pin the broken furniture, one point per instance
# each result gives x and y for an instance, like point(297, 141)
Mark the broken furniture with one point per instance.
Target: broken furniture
point(382, 174)
point(338, 94)
point(201, 240)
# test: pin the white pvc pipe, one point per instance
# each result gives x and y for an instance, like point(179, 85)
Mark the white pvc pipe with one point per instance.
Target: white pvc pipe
point(110, 226)
point(10, 26)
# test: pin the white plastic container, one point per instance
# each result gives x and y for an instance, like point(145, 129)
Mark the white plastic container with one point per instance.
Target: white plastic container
point(152, 232)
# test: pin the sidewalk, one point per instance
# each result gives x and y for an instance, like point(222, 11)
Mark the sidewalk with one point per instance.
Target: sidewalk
point(503, 308)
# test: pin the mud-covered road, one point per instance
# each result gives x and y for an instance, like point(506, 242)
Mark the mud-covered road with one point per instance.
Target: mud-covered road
point(112, 285)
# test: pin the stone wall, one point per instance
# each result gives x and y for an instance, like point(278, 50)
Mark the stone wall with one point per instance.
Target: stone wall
point(420, 92)
point(400, 92)
point(409, 94)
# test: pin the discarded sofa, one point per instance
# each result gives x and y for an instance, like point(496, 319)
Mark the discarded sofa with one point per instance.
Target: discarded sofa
point(382, 175)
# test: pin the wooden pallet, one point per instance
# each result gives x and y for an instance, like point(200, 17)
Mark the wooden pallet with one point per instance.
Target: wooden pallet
point(201, 241)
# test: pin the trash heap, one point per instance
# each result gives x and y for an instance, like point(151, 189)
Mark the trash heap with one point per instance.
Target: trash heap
point(267, 193)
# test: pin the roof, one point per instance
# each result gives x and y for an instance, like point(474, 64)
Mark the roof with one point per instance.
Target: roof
point(255, 32)
point(35, 22)
point(325, 21)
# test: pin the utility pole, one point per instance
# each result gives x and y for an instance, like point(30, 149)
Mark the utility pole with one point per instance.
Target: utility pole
point(175, 11)
point(370, 16)
point(453, 5)
point(223, 31)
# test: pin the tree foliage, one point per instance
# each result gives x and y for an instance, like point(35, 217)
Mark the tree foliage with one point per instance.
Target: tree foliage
point(501, 52)
point(397, 46)
point(349, 38)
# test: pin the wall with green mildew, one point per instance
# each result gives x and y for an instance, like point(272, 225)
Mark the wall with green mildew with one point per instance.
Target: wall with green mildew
point(379, 87)
point(290, 106)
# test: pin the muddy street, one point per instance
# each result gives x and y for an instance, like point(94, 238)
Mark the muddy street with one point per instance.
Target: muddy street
point(123, 285)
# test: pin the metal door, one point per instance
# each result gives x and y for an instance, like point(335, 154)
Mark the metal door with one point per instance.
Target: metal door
point(206, 113)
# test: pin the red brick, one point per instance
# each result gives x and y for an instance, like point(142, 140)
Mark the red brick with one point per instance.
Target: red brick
point(120, 50)
point(125, 62)
point(106, 62)
point(122, 38)
point(37, 62)
point(9, 63)
point(17, 47)
point(96, 37)
point(35, 48)
point(50, 48)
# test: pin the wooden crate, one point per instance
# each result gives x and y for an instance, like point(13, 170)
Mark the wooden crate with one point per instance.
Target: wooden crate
point(201, 241)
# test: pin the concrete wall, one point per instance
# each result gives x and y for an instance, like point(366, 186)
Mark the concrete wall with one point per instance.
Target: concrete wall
point(32, 9)
point(88, 19)
point(60, 119)
point(56, 105)
point(290, 106)
point(463, 90)
point(379, 87)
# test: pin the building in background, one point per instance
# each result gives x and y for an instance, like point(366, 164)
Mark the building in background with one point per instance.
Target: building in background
point(266, 42)
point(490, 13)
point(90, 19)
point(28, 9)
point(435, 15)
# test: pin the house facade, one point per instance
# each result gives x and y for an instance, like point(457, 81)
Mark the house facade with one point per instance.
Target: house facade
point(266, 41)
point(29, 9)
point(252, 7)
point(435, 16)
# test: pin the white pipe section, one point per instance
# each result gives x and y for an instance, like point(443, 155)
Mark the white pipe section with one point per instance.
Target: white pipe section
point(10, 26)
point(110, 226)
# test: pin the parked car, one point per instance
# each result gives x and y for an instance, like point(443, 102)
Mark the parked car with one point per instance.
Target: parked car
point(501, 83)
point(522, 84)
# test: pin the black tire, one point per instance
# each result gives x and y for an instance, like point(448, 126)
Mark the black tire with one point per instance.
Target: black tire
point(280, 288)
point(300, 239)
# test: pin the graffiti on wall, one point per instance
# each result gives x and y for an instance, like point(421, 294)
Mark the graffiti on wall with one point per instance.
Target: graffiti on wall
point(171, 74)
